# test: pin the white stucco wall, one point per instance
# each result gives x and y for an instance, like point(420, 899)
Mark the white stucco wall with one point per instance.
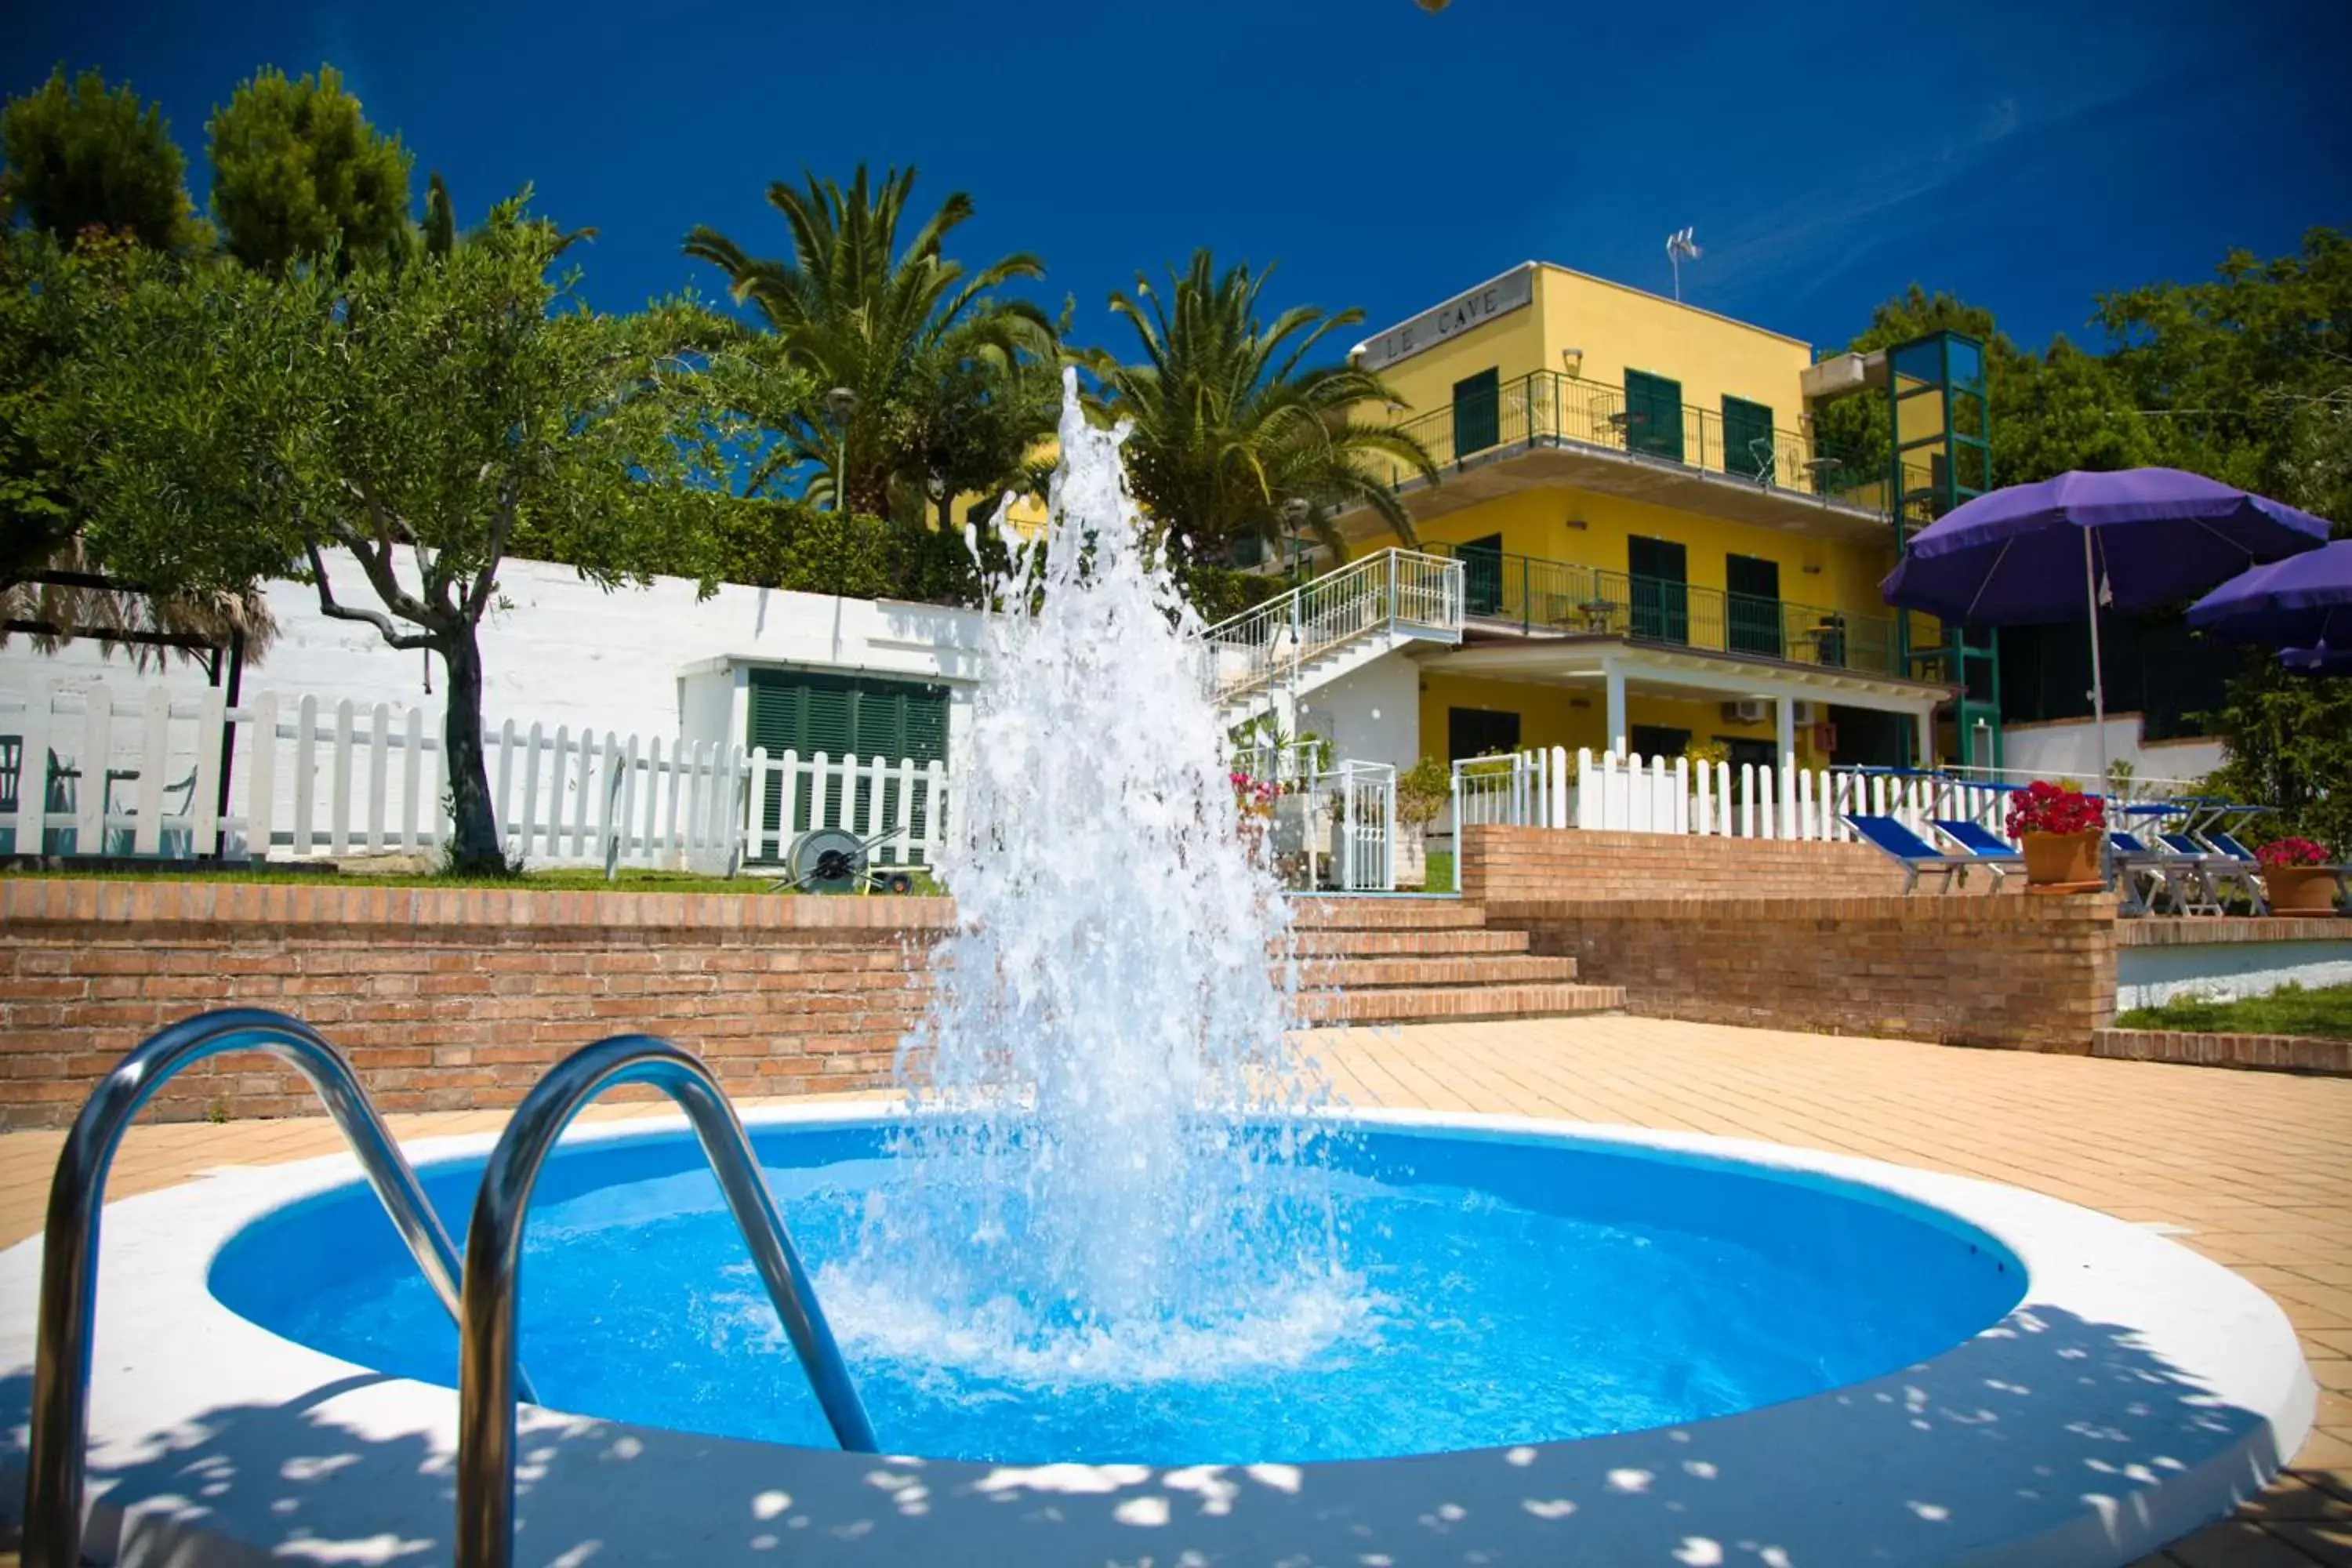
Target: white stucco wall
point(559, 651)
point(2226, 971)
point(1373, 714)
point(2069, 748)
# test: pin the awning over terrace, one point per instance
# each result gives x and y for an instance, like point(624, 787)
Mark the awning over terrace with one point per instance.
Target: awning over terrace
point(1618, 666)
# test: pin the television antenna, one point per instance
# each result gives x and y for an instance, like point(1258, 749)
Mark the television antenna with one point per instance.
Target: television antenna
point(1679, 244)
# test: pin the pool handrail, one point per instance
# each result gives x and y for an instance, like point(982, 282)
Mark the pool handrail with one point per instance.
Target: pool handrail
point(485, 1360)
point(55, 1460)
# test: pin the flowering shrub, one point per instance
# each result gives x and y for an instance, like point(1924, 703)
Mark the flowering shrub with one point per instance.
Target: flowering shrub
point(2043, 807)
point(1250, 794)
point(2291, 852)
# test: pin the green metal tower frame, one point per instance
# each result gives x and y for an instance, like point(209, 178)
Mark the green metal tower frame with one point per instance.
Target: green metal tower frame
point(1939, 423)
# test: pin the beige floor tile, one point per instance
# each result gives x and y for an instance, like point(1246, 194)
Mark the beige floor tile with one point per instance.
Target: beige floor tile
point(2238, 1545)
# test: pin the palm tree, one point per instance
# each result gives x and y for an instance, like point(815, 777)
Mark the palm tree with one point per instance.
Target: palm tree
point(1233, 440)
point(878, 327)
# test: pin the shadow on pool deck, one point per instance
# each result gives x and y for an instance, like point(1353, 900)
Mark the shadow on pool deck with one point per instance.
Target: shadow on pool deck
point(1935, 1462)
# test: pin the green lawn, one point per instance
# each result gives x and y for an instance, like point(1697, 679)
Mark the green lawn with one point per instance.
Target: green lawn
point(1440, 877)
point(2290, 1010)
point(581, 879)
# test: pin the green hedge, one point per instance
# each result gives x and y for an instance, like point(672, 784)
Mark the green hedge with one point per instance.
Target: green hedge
point(788, 545)
point(1220, 591)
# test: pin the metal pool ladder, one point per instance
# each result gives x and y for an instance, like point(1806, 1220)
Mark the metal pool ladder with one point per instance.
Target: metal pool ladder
point(60, 1420)
point(486, 1407)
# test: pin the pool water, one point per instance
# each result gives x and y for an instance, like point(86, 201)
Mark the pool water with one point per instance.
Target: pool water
point(1493, 1290)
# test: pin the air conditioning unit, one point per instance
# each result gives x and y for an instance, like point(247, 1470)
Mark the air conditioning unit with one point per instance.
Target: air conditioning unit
point(1810, 714)
point(1753, 710)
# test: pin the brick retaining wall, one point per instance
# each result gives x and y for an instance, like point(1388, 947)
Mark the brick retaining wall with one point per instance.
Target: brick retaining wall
point(448, 999)
point(1506, 864)
point(2270, 1053)
point(2026, 973)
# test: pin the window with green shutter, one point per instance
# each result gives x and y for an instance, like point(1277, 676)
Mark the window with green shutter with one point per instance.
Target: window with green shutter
point(1752, 605)
point(1658, 577)
point(1477, 414)
point(1747, 444)
point(1654, 414)
point(808, 711)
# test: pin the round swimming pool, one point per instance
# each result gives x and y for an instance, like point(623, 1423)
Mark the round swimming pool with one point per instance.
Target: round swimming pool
point(1572, 1344)
point(1490, 1291)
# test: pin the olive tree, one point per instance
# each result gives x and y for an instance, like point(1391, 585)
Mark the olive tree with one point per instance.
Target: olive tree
point(419, 416)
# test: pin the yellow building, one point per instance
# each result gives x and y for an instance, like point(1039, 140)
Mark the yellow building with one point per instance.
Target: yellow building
point(1656, 551)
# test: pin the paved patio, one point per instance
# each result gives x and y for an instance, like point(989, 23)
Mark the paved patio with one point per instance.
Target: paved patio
point(2255, 1169)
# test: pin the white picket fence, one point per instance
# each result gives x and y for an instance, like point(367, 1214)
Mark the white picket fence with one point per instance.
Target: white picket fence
point(95, 769)
point(1546, 787)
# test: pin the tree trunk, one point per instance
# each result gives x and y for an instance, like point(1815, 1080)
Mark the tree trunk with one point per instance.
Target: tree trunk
point(473, 848)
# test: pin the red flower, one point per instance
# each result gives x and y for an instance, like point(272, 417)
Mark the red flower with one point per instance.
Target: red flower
point(2291, 852)
point(2044, 807)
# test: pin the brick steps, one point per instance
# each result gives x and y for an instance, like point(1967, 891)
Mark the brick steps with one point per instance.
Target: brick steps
point(1328, 944)
point(1453, 1003)
point(1370, 973)
point(1393, 960)
point(1385, 914)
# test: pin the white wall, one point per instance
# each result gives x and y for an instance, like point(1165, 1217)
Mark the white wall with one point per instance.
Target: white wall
point(1370, 715)
point(2225, 971)
point(706, 703)
point(564, 651)
point(2069, 747)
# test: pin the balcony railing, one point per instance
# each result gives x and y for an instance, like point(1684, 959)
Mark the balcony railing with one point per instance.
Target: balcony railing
point(1566, 599)
point(1549, 408)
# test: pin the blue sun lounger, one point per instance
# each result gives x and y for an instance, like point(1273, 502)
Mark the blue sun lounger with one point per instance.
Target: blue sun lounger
point(2142, 876)
point(1982, 845)
point(1891, 838)
point(2200, 869)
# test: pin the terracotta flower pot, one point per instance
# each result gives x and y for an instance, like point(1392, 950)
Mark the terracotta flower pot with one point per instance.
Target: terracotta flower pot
point(2300, 890)
point(2055, 858)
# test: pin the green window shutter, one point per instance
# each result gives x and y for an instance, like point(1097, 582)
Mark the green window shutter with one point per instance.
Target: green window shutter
point(1751, 604)
point(1657, 575)
point(1654, 414)
point(1477, 414)
point(926, 732)
point(1747, 443)
point(806, 712)
point(1482, 574)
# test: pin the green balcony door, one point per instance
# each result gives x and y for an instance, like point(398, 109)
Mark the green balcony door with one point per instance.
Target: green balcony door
point(1752, 605)
point(1747, 446)
point(1654, 414)
point(1658, 574)
point(1477, 414)
point(1482, 574)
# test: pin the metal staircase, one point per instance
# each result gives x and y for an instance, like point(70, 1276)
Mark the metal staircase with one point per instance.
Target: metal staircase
point(1263, 660)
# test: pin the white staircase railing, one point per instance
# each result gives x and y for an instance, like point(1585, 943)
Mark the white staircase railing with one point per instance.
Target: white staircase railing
point(1394, 590)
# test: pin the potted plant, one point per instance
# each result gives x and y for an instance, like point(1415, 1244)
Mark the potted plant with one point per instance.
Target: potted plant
point(1423, 792)
point(2058, 827)
point(2296, 878)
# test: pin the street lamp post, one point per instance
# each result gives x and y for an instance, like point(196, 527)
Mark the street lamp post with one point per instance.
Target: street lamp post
point(843, 402)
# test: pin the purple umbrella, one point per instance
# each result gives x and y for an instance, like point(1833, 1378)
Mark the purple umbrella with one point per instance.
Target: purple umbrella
point(2137, 539)
point(2301, 601)
point(2316, 660)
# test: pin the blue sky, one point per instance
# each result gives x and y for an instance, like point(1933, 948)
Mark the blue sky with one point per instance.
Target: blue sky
point(2021, 154)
